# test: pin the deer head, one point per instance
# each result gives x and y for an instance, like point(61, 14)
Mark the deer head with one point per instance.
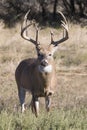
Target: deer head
point(45, 55)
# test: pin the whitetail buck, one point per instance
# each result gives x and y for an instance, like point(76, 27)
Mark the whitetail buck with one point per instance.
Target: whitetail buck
point(38, 75)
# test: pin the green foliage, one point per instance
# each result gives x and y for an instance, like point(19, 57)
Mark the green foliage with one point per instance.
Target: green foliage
point(11, 11)
point(55, 120)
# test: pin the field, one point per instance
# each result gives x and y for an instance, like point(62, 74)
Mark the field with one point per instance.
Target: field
point(69, 103)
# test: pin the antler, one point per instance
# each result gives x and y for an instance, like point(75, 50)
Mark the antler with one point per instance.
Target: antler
point(24, 30)
point(65, 26)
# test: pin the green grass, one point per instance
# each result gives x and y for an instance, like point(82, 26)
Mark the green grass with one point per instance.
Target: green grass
point(57, 119)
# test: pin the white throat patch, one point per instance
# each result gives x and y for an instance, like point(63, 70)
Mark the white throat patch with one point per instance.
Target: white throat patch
point(47, 69)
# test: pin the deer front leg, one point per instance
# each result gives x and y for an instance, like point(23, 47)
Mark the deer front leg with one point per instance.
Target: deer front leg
point(35, 106)
point(22, 93)
point(47, 102)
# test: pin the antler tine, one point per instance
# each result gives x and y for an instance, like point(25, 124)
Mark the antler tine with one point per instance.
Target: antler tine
point(24, 22)
point(64, 24)
point(52, 34)
point(62, 16)
point(25, 17)
point(24, 29)
point(37, 29)
point(64, 21)
point(38, 47)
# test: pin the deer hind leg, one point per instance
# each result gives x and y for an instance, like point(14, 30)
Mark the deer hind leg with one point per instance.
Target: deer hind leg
point(22, 93)
point(48, 102)
point(35, 106)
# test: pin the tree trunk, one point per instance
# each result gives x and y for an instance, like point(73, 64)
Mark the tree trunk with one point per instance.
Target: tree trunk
point(55, 8)
point(72, 4)
point(81, 9)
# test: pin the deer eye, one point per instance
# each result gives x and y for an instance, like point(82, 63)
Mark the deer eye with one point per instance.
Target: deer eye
point(40, 55)
point(50, 54)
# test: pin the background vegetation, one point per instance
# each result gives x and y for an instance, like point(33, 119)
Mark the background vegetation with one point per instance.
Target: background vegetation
point(12, 11)
point(69, 103)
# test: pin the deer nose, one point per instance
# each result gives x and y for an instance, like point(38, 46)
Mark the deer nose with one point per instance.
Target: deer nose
point(44, 62)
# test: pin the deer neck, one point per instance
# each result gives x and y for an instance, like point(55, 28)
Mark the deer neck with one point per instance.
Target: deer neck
point(45, 73)
point(45, 78)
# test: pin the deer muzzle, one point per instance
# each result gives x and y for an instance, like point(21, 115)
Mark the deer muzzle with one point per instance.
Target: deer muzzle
point(44, 63)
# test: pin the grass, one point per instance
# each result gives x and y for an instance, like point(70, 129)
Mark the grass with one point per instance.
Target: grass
point(70, 58)
point(69, 103)
point(55, 120)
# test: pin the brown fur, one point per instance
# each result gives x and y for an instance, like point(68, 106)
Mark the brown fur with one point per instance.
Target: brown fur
point(40, 84)
point(28, 76)
point(37, 83)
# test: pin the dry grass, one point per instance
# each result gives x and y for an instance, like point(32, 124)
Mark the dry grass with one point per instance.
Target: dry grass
point(71, 59)
point(71, 65)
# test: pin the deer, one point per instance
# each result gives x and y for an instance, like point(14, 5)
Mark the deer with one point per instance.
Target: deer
point(38, 75)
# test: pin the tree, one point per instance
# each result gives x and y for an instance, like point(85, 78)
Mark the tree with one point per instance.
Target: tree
point(82, 5)
point(55, 8)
